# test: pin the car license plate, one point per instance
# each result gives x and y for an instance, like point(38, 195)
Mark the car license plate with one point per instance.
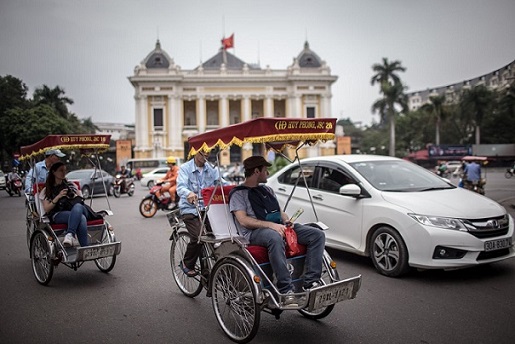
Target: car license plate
point(498, 244)
point(98, 252)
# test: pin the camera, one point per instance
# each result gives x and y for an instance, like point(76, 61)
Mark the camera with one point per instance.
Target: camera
point(70, 193)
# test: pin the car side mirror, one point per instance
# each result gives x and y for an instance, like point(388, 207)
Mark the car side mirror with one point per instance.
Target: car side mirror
point(352, 190)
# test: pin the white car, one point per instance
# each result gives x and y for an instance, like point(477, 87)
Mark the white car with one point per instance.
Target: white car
point(3, 183)
point(398, 213)
point(149, 179)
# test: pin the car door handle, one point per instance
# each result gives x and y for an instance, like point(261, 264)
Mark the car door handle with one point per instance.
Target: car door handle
point(282, 189)
point(318, 197)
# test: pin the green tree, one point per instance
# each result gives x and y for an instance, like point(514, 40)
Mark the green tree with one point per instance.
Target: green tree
point(54, 97)
point(393, 98)
point(499, 127)
point(393, 94)
point(42, 119)
point(13, 94)
point(476, 103)
point(436, 108)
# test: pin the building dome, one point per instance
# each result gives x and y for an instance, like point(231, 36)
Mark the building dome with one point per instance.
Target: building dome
point(308, 59)
point(157, 58)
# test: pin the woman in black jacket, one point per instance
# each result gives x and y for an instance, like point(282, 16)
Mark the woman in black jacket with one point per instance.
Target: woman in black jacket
point(63, 203)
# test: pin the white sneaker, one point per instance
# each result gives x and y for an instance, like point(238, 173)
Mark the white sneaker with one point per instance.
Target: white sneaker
point(68, 240)
point(171, 205)
point(290, 300)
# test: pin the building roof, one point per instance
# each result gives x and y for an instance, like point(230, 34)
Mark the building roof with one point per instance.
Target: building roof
point(230, 61)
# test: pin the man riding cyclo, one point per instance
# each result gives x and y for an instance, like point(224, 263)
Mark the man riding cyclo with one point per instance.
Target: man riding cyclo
point(260, 219)
point(169, 181)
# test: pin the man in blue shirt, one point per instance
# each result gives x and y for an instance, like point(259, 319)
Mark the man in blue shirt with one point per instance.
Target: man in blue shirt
point(473, 172)
point(39, 173)
point(194, 175)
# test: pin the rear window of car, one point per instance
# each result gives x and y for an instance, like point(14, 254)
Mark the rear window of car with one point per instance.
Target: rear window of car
point(78, 174)
point(1, 174)
point(290, 177)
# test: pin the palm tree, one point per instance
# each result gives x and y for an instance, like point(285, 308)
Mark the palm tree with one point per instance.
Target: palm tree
point(475, 104)
point(436, 108)
point(393, 94)
point(53, 97)
point(387, 72)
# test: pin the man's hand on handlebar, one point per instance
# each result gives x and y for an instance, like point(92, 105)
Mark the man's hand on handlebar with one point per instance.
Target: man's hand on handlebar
point(192, 198)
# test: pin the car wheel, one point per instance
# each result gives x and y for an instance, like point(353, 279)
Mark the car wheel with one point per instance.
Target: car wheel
point(150, 184)
point(388, 252)
point(85, 192)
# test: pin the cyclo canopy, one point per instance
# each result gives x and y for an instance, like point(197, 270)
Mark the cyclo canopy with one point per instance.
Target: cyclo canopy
point(277, 133)
point(73, 141)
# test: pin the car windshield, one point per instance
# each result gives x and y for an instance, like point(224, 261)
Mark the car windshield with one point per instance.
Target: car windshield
point(399, 176)
point(78, 175)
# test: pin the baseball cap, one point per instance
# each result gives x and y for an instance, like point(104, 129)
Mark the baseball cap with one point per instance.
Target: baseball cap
point(56, 152)
point(255, 161)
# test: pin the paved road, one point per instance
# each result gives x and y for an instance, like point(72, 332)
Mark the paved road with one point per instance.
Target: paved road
point(138, 301)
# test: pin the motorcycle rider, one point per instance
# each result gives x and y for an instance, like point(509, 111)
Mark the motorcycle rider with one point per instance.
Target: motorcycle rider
point(169, 181)
point(11, 178)
point(124, 173)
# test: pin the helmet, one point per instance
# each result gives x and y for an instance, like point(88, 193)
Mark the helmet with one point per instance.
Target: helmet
point(171, 160)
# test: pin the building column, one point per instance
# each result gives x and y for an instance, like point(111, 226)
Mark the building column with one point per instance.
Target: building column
point(144, 123)
point(137, 127)
point(325, 106)
point(246, 108)
point(201, 114)
point(223, 108)
point(269, 106)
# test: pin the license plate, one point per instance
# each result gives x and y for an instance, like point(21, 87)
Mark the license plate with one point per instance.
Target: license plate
point(98, 252)
point(498, 244)
point(332, 294)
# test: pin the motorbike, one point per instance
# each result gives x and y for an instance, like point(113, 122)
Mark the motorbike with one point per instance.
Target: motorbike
point(122, 185)
point(14, 187)
point(150, 204)
point(509, 172)
point(478, 186)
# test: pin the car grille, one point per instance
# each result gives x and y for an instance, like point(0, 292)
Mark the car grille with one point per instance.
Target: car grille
point(489, 227)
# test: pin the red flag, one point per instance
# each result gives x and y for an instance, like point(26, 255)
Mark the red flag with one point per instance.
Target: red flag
point(228, 42)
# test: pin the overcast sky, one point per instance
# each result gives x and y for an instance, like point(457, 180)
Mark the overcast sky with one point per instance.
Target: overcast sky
point(90, 47)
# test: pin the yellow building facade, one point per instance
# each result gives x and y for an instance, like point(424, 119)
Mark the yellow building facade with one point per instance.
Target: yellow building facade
point(172, 104)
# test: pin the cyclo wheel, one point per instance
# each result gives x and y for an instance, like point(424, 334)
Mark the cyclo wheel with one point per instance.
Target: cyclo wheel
point(325, 278)
point(31, 224)
point(234, 301)
point(41, 258)
point(190, 286)
point(106, 264)
point(148, 207)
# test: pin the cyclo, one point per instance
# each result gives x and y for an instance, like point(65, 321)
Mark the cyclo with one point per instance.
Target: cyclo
point(236, 275)
point(44, 239)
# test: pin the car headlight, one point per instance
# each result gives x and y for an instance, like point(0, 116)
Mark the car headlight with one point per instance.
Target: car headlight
point(440, 222)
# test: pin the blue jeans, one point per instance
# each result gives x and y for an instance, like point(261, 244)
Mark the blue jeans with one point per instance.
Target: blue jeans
point(312, 238)
point(77, 222)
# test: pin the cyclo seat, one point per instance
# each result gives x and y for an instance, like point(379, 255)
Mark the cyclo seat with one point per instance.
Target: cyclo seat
point(222, 221)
